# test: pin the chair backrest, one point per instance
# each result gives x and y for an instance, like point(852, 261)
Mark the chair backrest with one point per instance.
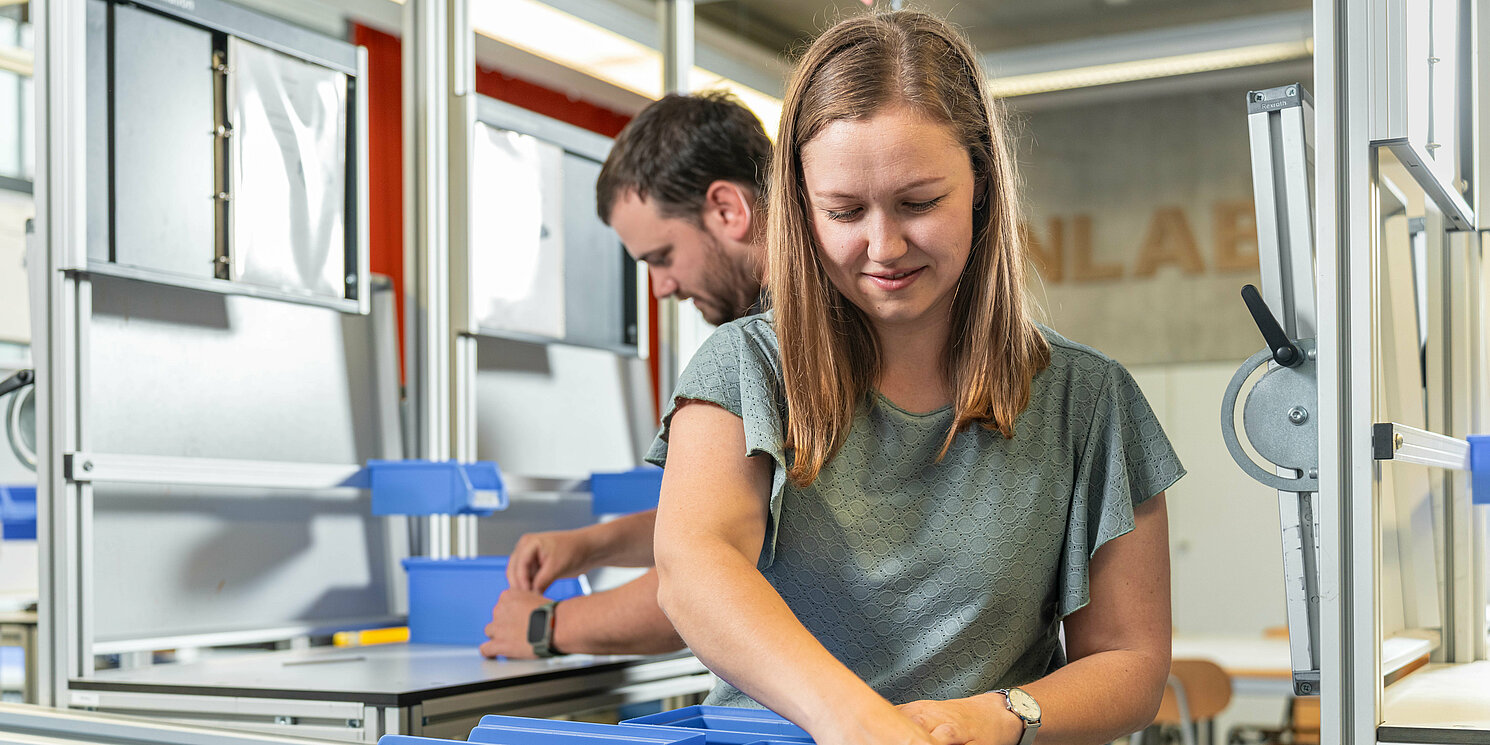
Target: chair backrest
point(1207, 691)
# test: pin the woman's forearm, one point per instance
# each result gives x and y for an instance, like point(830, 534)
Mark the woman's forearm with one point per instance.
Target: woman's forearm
point(737, 624)
point(1119, 643)
point(1100, 697)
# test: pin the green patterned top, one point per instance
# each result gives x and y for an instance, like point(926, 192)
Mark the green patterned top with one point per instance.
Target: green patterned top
point(941, 580)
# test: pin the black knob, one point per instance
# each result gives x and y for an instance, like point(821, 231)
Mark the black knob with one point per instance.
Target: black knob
point(17, 381)
point(1284, 352)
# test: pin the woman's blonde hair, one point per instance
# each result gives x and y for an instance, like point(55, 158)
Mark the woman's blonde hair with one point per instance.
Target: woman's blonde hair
point(829, 352)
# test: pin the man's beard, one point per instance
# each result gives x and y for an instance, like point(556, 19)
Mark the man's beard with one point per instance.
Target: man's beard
point(729, 289)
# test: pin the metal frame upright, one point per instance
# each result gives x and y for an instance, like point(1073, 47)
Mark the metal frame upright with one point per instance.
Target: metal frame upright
point(59, 302)
point(1360, 115)
point(61, 290)
point(427, 95)
point(675, 21)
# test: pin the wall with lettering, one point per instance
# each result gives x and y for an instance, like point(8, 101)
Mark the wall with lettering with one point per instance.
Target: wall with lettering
point(1140, 223)
point(1139, 219)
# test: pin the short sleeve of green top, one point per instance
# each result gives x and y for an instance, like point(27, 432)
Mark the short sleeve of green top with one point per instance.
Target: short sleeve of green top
point(941, 580)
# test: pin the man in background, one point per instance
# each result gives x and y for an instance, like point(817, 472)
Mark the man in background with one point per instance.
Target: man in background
point(684, 188)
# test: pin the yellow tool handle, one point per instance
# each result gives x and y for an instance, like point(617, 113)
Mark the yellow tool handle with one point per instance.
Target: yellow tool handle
point(370, 636)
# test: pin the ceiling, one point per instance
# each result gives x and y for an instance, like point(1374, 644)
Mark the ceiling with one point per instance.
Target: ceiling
point(783, 26)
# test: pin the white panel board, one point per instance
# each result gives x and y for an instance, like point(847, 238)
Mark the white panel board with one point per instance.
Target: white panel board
point(289, 196)
point(560, 411)
point(517, 233)
point(15, 318)
point(177, 372)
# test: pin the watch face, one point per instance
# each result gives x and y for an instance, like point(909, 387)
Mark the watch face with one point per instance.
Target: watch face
point(538, 625)
point(1024, 705)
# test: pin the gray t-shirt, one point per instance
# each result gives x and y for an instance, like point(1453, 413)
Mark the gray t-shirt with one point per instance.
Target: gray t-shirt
point(941, 580)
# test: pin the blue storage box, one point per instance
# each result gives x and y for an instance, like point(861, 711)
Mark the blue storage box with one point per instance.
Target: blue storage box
point(450, 600)
point(18, 513)
point(625, 492)
point(429, 487)
point(694, 725)
point(505, 730)
point(1479, 469)
point(725, 725)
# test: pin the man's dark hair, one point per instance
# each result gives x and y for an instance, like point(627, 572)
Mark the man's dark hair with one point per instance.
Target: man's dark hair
point(677, 146)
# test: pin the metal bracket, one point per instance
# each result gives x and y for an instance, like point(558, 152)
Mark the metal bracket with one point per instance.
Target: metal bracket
point(1399, 442)
point(1279, 420)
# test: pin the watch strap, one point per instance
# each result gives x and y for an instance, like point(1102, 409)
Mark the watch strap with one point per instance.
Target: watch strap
point(544, 647)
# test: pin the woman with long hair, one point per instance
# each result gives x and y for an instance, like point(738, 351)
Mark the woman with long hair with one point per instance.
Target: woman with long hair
point(885, 498)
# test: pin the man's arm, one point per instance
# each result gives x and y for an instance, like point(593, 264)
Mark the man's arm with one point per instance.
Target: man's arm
point(540, 558)
point(623, 620)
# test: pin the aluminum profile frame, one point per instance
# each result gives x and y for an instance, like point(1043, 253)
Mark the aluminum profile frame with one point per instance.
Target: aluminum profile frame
point(1280, 124)
point(1343, 273)
point(1397, 118)
point(1352, 89)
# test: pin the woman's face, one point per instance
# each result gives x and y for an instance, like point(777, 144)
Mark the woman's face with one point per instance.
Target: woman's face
point(891, 204)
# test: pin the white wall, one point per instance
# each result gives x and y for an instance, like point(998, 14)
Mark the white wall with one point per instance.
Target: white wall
point(1224, 541)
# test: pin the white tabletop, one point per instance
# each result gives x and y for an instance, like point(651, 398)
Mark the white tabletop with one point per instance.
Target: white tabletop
point(1257, 665)
point(1439, 703)
point(396, 674)
point(1264, 666)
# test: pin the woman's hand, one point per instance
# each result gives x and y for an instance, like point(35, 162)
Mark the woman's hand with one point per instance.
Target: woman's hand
point(979, 720)
point(881, 724)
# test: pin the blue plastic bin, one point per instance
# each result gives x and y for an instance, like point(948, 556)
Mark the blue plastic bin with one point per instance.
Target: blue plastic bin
point(724, 725)
point(505, 730)
point(694, 725)
point(1479, 469)
point(426, 487)
point(18, 513)
point(625, 492)
point(450, 600)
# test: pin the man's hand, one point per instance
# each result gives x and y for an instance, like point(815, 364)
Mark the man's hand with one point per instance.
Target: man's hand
point(508, 630)
point(979, 720)
point(540, 558)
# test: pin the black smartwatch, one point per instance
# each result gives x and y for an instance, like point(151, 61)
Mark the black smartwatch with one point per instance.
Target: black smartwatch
point(541, 630)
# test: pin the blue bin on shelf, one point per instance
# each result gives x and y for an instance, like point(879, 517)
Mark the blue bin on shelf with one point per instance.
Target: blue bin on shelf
point(505, 730)
point(450, 600)
point(1479, 469)
point(625, 492)
point(725, 725)
point(18, 513)
point(431, 487)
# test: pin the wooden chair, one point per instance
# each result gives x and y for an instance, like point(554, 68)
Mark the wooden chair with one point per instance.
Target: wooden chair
point(1197, 691)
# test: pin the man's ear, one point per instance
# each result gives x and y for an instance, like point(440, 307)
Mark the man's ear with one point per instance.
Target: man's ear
point(729, 209)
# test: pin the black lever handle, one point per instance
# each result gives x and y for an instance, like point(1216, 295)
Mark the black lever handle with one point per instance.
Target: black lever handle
point(17, 381)
point(1284, 352)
